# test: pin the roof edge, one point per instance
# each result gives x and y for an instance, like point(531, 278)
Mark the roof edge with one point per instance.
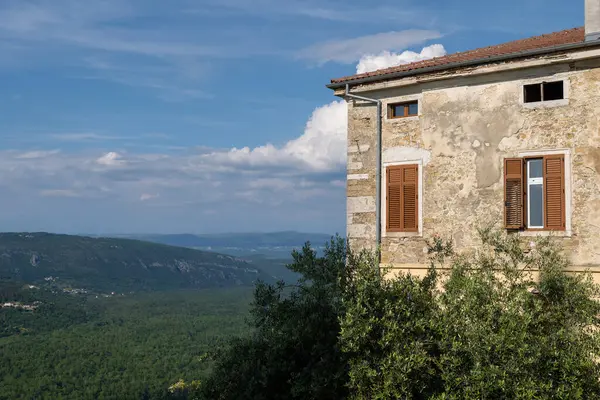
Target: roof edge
point(480, 61)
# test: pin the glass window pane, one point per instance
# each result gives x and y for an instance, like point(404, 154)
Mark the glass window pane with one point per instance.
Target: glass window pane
point(413, 109)
point(536, 200)
point(534, 168)
point(398, 110)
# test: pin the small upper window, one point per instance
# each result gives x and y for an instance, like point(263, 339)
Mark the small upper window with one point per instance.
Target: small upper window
point(553, 91)
point(402, 110)
point(545, 91)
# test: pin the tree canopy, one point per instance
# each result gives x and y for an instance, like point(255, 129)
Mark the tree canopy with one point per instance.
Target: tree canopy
point(503, 322)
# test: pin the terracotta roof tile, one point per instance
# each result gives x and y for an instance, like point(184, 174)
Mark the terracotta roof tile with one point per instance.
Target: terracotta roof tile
point(550, 40)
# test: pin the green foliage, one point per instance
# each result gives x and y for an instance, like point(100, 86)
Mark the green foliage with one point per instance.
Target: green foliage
point(130, 347)
point(388, 332)
point(120, 265)
point(294, 351)
point(488, 327)
point(486, 330)
point(54, 310)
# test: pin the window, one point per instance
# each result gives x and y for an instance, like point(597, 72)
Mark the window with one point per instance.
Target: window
point(535, 188)
point(402, 214)
point(545, 91)
point(403, 110)
point(534, 193)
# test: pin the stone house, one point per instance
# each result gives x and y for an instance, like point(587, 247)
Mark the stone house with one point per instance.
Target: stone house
point(506, 135)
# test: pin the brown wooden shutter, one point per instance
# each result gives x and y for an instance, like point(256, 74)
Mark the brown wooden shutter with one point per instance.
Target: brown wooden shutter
point(402, 198)
point(513, 193)
point(554, 192)
point(394, 199)
point(410, 182)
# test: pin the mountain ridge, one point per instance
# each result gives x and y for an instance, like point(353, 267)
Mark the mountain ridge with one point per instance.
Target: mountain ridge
point(272, 244)
point(122, 264)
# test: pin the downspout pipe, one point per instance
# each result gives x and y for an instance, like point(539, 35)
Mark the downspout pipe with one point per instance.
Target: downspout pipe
point(378, 171)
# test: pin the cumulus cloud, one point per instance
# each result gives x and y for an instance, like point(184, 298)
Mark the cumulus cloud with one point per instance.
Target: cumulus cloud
point(111, 159)
point(322, 147)
point(386, 59)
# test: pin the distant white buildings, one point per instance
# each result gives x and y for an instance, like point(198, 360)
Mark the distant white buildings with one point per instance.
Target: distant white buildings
point(18, 305)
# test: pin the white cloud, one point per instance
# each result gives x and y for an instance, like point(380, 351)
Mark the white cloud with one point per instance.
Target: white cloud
point(334, 11)
point(318, 153)
point(26, 18)
point(386, 59)
point(182, 191)
point(36, 154)
point(172, 60)
point(111, 159)
point(148, 196)
point(350, 50)
point(322, 147)
point(305, 176)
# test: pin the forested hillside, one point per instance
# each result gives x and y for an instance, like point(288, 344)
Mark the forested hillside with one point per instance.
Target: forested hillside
point(112, 318)
point(117, 265)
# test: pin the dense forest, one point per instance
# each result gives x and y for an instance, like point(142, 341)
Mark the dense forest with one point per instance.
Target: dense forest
point(114, 318)
point(77, 346)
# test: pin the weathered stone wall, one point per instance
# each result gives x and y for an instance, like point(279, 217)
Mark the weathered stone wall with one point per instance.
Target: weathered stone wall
point(361, 184)
point(466, 127)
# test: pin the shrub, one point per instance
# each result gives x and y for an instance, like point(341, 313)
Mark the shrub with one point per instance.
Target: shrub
point(485, 330)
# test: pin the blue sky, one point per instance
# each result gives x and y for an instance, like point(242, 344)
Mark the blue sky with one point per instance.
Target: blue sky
point(207, 115)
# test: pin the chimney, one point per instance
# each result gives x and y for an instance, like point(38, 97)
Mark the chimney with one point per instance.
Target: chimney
point(592, 20)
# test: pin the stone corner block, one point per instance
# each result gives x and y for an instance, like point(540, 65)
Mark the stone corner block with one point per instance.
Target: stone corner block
point(366, 231)
point(362, 204)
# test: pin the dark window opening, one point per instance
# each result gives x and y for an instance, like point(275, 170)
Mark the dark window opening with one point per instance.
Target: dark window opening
point(533, 93)
point(546, 91)
point(553, 91)
point(403, 110)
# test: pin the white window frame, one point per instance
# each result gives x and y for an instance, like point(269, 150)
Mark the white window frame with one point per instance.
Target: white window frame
point(568, 232)
point(384, 232)
point(529, 184)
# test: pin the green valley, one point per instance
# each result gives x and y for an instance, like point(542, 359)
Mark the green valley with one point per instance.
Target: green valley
point(114, 318)
point(124, 347)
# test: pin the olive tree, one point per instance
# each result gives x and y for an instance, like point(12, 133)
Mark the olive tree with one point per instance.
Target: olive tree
point(491, 327)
